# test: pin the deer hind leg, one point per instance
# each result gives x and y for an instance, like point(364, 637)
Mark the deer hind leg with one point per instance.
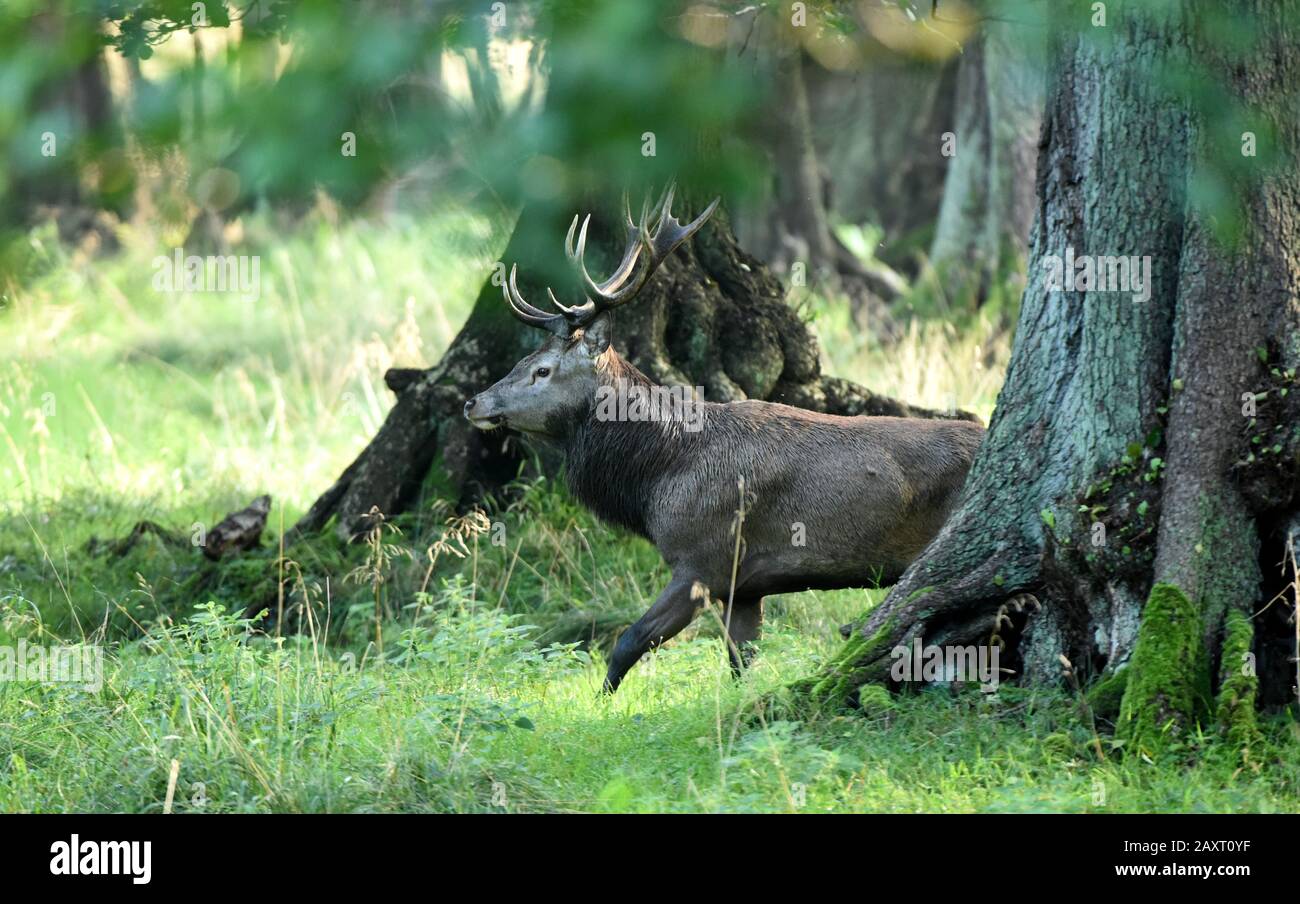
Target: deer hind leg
point(674, 610)
point(744, 626)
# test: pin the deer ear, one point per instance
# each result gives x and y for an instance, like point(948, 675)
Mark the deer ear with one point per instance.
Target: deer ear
point(596, 335)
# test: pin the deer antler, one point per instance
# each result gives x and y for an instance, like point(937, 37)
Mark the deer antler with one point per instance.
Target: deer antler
point(552, 323)
point(644, 251)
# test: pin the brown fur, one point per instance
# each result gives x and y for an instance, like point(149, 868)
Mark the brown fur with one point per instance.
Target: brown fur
point(864, 494)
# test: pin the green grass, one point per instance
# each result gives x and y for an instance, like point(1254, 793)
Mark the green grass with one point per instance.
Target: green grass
point(467, 713)
point(118, 404)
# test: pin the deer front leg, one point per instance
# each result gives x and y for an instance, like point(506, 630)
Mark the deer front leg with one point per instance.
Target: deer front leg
point(673, 611)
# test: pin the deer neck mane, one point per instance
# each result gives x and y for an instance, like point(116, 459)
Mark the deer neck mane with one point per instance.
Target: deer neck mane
point(614, 463)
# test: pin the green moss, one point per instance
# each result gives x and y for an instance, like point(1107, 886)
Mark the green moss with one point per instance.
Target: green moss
point(874, 700)
point(1168, 678)
point(1105, 697)
point(845, 673)
point(1224, 562)
point(1238, 684)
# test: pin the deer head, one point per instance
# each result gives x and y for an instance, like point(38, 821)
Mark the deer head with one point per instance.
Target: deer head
point(554, 386)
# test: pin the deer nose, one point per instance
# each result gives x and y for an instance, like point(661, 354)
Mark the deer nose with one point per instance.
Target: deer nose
point(469, 406)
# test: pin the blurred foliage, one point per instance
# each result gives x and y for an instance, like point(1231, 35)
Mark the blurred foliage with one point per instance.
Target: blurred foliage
point(264, 98)
point(163, 109)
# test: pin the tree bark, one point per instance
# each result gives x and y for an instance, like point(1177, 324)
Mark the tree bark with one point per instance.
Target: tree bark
point(983, 225)
point(712, 317)
point(1128, 421)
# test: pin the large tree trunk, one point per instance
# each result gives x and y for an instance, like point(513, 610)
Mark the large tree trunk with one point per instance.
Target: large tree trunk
point(713, 317)
point(1122, 485)
point(983, 226)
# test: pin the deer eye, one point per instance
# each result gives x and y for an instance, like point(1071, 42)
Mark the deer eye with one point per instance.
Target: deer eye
point(542, 372)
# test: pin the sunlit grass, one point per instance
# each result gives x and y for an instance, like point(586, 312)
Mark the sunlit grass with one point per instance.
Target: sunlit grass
point(932, 363)
point(467, 714)
point(107, 382)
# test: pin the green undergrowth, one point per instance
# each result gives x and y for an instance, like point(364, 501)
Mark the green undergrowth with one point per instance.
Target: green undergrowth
point(466, 713)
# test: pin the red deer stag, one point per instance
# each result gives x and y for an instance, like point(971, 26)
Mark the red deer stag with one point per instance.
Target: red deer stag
point(831, 501)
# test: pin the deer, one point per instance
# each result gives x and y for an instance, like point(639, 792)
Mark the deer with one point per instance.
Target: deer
point(742, 499)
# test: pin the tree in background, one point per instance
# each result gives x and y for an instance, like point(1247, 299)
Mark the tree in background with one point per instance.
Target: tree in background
point(63, 156)
point(925, 126)
point(982, 229)
point(878, 133)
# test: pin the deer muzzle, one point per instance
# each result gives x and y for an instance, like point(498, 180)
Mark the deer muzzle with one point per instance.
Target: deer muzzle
point(479, 412)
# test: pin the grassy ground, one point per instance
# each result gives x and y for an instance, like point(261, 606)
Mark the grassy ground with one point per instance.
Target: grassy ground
point(454, 665)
